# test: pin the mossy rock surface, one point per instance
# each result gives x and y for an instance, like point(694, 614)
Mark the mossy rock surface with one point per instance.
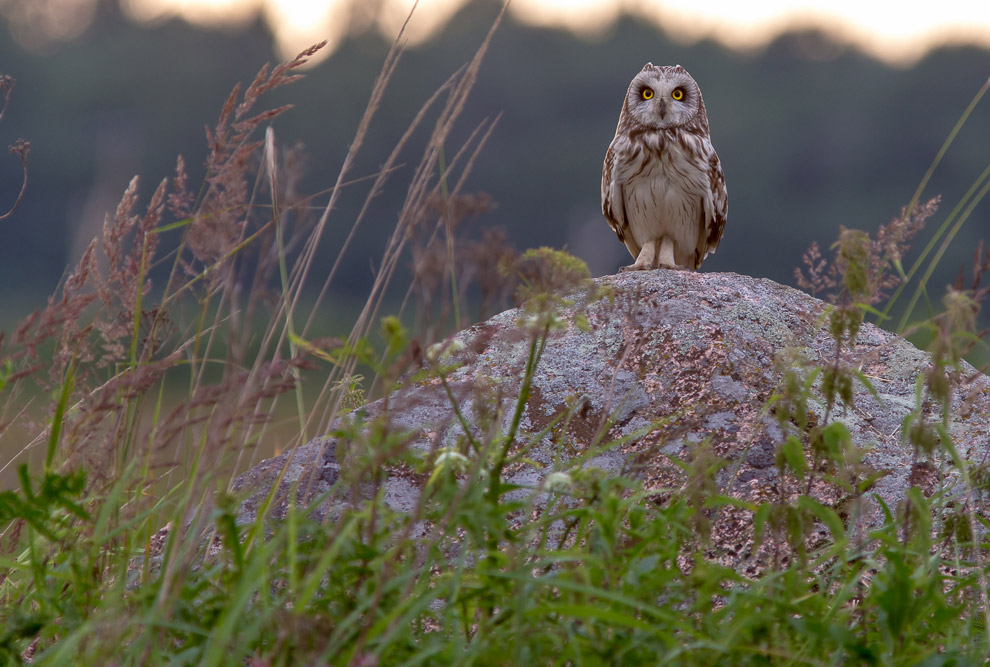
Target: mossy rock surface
point(673, 362)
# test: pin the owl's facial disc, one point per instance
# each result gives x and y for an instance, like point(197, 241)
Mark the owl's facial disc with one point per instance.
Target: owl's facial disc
point(657, 99)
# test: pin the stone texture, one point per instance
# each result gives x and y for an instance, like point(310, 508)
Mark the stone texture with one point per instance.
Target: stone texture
point(672, 360)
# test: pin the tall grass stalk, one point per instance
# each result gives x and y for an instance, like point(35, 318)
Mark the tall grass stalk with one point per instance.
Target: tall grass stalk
point(968, 201)
point(956, 218)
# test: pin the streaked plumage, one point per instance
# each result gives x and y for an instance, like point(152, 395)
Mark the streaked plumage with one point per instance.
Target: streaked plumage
point(663, 191)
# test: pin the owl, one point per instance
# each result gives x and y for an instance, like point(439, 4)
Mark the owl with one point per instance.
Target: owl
point(663, 191)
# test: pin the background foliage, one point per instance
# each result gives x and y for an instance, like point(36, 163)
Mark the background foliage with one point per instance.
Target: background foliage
point(812, 134)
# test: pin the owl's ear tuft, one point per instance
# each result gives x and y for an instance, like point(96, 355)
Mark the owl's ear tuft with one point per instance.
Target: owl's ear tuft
point(646, 67)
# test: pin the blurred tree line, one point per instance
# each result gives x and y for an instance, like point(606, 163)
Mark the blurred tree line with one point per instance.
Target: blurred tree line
point(812, 134)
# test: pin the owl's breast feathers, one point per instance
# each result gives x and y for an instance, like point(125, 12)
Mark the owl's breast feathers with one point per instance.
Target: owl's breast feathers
point(658, 178)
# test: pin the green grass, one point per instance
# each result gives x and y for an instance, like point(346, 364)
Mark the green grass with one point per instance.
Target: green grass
point(119, 543)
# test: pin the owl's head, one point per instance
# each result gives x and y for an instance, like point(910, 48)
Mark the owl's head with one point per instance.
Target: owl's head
point(665, 97)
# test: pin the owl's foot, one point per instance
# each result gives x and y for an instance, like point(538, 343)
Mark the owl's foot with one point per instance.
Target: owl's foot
point(650, 267)
point(646, 260)
point(651, 257)
point(638, 266)
point(665, 255)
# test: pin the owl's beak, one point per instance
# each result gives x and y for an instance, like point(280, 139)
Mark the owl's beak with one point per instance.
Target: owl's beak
point(662, 108)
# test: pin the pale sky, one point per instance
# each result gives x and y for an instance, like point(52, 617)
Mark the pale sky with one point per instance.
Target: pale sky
point(895, 31)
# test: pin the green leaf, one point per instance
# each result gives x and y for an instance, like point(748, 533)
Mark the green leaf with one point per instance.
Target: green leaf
point(791, 452)
point(720, 500)
point(866, 383)
point(867, 482)
point(68, 383)
point(826, 515)
point(760, 522)
point(589, 613)
point(395, 335)
point(836, 436)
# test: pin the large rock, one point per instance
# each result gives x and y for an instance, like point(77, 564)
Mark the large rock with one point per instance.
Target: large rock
point(672, 363)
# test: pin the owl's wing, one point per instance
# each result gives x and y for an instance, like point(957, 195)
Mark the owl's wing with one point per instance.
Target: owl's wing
point(716, 208)
point(613, 202)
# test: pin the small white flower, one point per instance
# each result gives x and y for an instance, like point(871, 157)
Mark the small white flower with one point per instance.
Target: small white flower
point(448, 459)
point(558, 482)
point(541, 320)
point(452, 459)
point(444, 350)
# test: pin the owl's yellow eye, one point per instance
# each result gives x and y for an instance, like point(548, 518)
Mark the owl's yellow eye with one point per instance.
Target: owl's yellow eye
point(647, 93)
point(678, 94)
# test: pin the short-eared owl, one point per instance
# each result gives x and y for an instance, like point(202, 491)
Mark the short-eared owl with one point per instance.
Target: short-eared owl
point(663, 191)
